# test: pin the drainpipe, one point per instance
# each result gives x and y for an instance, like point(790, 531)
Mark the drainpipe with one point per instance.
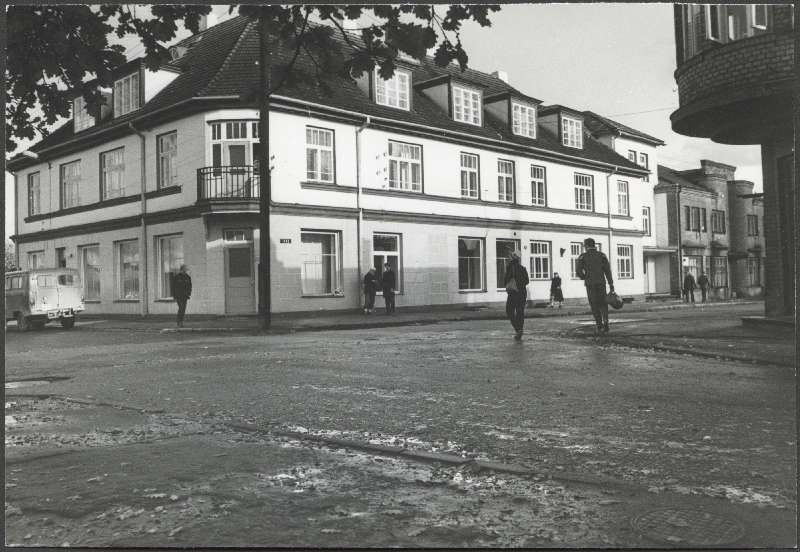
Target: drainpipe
point(16, 222)
point(143, 301)
point(608, 210)
point(359, 130)
point(680, 247)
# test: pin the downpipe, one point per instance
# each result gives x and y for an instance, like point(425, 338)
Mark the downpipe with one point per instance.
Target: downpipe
point(143, 304)
point(608, 210)
point(360, 220)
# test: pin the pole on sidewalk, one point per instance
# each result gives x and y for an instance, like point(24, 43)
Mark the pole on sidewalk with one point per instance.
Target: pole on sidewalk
point(264, 285)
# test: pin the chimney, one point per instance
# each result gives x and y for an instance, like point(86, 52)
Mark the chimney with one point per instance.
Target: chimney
point(207, 21)
point(502, 75)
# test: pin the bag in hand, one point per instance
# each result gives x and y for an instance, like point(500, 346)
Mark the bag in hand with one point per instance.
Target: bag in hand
point(512, 284)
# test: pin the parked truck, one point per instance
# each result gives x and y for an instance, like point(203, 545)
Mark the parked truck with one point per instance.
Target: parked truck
point(38, 296)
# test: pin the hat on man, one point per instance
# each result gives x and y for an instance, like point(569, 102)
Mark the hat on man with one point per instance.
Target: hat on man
point(589, 242)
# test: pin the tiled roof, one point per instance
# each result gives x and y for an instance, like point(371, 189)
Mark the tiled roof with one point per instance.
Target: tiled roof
point(597, 123)
point(671, 176)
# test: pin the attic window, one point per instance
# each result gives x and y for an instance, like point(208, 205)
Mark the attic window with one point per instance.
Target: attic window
point(395, 91)
point(571, 132)
point(126, 94)
point(467, 105)
point(80, 115)
point(523, 119)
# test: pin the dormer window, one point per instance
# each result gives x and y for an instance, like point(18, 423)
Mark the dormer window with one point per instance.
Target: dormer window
point(466, 105)
point(571, 132)
point(523, 120)
point(80, 115)
point(126, 95)
point(394, 92)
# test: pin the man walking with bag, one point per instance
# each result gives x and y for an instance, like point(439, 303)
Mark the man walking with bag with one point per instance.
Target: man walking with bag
point(594, 269)
point(181, 291)
point(516, 286)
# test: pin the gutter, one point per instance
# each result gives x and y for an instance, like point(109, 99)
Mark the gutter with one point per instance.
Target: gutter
point(143, 299)
point(360, 221)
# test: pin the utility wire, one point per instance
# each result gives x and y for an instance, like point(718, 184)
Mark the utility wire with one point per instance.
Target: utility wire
point(640, 112)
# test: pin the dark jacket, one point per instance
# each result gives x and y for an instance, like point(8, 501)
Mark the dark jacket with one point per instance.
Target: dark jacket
point(388, 279)
point(555, 283)
point(181, 286)
point(688, 282)
point(702, 281)
point(370, 283)
point(519, 273)
point(593, 268)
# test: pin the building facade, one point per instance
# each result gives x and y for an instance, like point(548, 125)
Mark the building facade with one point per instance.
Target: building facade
point(437, 172)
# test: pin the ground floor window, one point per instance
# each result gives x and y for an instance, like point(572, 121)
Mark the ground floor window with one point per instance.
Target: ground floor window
point(320, 271)
point(237, 235)
point(386, 249)
point(35, 259)
point(90, 272)
point(61, 257)
point(170, 259)
point(503, 249)
point(540, 260)
point(575, 250)
point(470, 264)
point(753, 271)
point(719, 271)
point(624, 261)
point(127, 269)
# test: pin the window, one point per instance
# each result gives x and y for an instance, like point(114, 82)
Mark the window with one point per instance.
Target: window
point(571, 132)
point(644, 161)
point(80, 115)
point(405, 166)
point(575, 250)
point(128, 270)
point(624, 261)
point(632, 156)
point(235, 130)
point(719, 271)
point(320, 271)
point(34, 194)
point(622, 198)
point(470, 264)
point(538, 185)
point(646, 221)
point(523, 120)
point(238, 235)
point(713, 22)
point(216, 131)
point(112, 173)
point(703, 219)
point(717, 222)
point(540, 260)
point(168, 160)
point(90, 271)
point(254, 130)
point(584, 192)
point(70, 175)
point(753, 271)
point(505, 181)
point(35, 259)
point(394, 92)
point(503, 250)
point(470, 180)
point(126, 95)
point(466, 105)
point(319, 154)
point(170, 259)
point(66, 279)
point(759, 17)
point(61, 257)
point(694, 218)
point(693, 264)
point(386, 249)
point(752, 225)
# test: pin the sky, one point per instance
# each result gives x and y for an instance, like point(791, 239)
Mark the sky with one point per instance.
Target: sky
point(617, 60)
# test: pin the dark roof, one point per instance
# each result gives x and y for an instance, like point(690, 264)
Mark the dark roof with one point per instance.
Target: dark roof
point(671, 176)
point(598, 124)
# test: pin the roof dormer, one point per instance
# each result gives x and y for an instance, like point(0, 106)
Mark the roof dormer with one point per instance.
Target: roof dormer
point(82, 118)
point(463, 101)
point(517, 112)
point(134, 85)
point(567, 123)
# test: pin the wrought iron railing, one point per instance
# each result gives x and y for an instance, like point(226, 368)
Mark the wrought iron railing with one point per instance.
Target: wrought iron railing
point(228, 183)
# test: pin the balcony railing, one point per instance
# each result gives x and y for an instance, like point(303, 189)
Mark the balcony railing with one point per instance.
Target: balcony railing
point(228, 183)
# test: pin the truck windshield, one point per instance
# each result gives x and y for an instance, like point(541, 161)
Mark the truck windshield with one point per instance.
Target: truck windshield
point(46, 280)
point(66, 279)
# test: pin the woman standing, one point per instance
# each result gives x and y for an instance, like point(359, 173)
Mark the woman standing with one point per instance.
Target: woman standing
point(370, 288)
point(556, 295)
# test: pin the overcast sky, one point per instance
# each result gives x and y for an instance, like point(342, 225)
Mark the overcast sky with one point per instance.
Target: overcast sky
point(617, 60)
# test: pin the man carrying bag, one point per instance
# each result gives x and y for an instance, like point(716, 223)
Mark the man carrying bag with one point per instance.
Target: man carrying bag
point(516, 286)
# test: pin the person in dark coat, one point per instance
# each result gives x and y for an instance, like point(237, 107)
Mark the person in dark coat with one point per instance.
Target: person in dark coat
point(370, 288)
point(181, 291)
point(516, 286)
point(688, 287)
point(703, 282)
point(388, 285)
point(556, 295)
point(594, 269)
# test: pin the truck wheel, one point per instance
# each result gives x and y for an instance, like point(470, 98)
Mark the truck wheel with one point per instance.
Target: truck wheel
point(68, 323)
point(38, 325)
point(23, 323)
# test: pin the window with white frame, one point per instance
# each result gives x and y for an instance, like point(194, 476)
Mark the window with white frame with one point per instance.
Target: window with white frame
point(623, 200)
point(236, 130)
point(470, 181)
point(127, 266)
point(644, 161)
point(759, 14)
point(714, 21)
point(719, 271)
point(90, 271)
point(540, 260)
point(503, 250)
point(523, 119)
point(319, 154)
point(632, 156)
point(112, 173)
point(386, 249)
point(575, 250)
point(237, 235)
point(717, 221)
point(405, 166)
point(646, 221)
point(538, 185)
point(320, 270)
point(584, 192)
point(467, 105)
point(571, 132)
point(470, 264)
point(624, 261)
point(70, 179)
point(753, 271)
point(126, 94)
point(80, 115)
point(505, 181)
point(168, 160)
point(394, 92)
point(170, 258)
point(752, 225)
point(35, 259)
point(34, 194)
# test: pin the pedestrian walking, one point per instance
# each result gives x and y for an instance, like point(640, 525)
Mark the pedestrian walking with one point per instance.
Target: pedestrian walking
point(556, 295)
point(370, 288)
point(181, 291)
point(703, 282)
point(688, 287)
point(517, 288)
point(594, 269)
point(388, 285)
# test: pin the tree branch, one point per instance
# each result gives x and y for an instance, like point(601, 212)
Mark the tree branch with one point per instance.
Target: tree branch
point(298, 37)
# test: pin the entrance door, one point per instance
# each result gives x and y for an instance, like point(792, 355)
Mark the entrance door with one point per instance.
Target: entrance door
point(239, 280)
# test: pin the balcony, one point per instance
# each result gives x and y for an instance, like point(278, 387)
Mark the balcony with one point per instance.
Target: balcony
point(228, 184)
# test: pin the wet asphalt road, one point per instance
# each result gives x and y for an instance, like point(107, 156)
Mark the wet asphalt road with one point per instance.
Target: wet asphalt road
point(677, 428)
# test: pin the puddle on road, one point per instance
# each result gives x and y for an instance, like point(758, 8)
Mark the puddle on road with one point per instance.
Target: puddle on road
point(17, 384)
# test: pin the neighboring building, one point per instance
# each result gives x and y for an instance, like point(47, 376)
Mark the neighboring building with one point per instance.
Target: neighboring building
point(736, 77)
point(714, 222)
point(438, 172)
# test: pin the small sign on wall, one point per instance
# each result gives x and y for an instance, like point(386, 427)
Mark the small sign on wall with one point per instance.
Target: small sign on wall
point(286, 240)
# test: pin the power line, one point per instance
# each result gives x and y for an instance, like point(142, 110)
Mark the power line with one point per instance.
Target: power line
point(648, 111)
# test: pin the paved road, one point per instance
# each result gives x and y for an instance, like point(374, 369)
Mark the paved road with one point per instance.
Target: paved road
point(657, 435)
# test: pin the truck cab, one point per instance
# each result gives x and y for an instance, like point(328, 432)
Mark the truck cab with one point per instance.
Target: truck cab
point(38, 296)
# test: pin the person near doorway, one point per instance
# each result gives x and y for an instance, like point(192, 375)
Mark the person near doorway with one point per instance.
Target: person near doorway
point(181, 291)
point(703, 282)
point(517, 288)
point(556, 295)
point(594, 269)
point(370, 288)
point(688, 287)
point(388, 285)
